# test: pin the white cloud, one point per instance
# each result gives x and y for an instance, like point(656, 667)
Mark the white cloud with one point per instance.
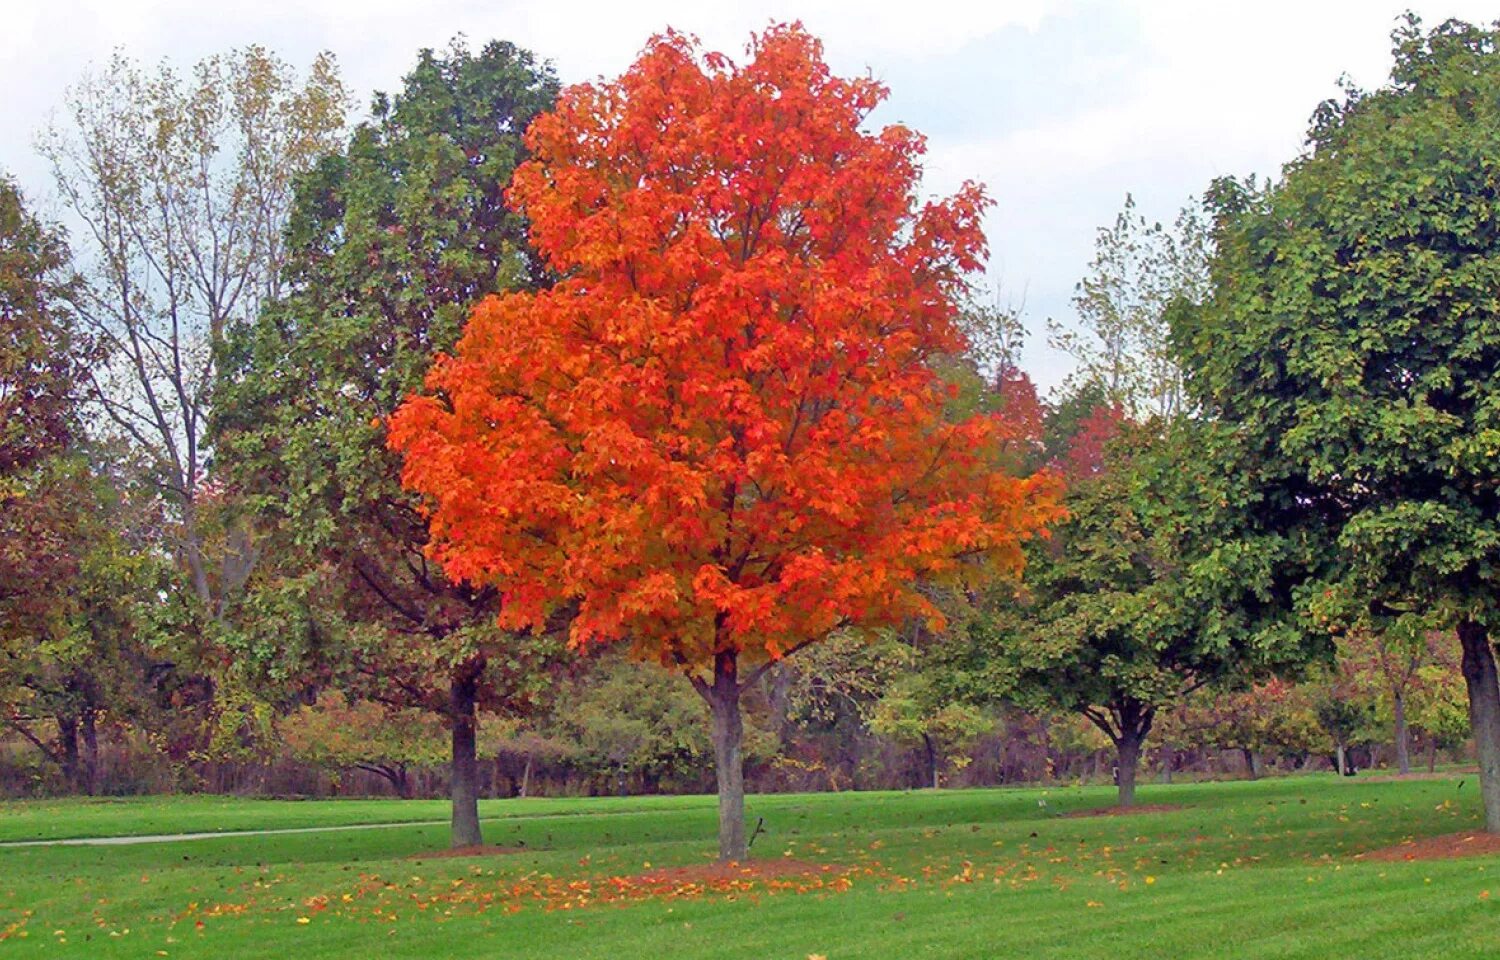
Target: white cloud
point(1060, 107)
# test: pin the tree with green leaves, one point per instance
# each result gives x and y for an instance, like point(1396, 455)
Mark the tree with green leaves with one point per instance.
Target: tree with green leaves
point(336, 733)
point(914, 711)
point(1351, 343)
point(1135, 602)
point(44, 353)
point(43, 356)
point(392, 241)
point(47, 528)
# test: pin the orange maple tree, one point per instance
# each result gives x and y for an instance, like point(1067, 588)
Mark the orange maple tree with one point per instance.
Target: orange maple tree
point(720, 436)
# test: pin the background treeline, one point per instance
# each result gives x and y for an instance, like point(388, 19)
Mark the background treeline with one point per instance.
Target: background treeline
point(212, 579)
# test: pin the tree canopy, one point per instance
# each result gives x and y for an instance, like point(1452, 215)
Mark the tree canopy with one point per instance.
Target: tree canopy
point(1350, 344)
point(720, 433)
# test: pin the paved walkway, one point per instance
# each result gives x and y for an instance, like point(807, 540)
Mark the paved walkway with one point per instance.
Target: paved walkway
point(175, 837)
point(276, 831)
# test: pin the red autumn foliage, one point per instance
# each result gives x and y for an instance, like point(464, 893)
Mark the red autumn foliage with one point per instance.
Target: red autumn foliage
point(1085, 456)
point(721, 432)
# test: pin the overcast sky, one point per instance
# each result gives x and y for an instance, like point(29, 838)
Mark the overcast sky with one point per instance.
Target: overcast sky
point(1060, 108)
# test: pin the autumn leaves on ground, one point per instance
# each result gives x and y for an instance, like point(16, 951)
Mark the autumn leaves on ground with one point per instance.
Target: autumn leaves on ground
point(981, 873)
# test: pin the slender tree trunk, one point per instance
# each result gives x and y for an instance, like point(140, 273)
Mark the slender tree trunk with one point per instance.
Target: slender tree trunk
point(1128, 760)
point(90, 733)
point(463, 781)
point(1339, 758)
point(525, 777)
point(1403, 736)
point(1167, 756)
point(1484, 714)
point(1432, 754)
point(1252, 763)
point(67, 752)
point(932, 761)
point(729, 761)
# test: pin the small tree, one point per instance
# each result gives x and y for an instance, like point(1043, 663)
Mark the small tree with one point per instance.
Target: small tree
point(337, 733)
point(1388, 666)
point(720, 436)
point(1134, 604)
point(910, 713)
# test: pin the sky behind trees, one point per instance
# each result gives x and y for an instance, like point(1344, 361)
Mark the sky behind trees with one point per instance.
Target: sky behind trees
point(1059, 107)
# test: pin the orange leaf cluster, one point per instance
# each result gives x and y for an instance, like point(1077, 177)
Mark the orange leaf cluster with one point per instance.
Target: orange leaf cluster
point(721, 430)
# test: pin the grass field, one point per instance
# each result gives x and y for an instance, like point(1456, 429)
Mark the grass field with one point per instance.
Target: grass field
point(1265, 869)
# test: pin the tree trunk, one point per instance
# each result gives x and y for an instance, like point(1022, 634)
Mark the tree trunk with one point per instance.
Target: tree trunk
point(932, 761)
point(67, 749)
point(1167, 756)
point(90, 764)
point(1127, 760)
point(525, 777)
point(729, 761)
point(463, 785)
point(1252, 763)
point(1484, 714)
point(1339, 758)
point(1432, 754)
point(1403, 737)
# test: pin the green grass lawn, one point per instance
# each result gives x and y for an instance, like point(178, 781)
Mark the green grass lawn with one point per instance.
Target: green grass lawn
point(1264, 869)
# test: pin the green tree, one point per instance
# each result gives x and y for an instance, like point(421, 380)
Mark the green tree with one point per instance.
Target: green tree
point(336, 734)
point(915, 711)
point(43, 353)
point(392, 241)
point(83, 653)
point(631, 723)
point(1351, 342)
point(1134, 602)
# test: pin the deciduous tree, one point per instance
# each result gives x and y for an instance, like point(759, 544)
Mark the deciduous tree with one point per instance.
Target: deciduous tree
point(391, 242)
point(1136, 602)
point(1351, 343)
point(720, 437)
point(183, 187)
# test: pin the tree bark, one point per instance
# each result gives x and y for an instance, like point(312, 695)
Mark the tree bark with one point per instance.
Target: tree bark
point(1342, 766)
point(67, 749)
point(525, 777)
point(463, 780)
point(1403, 736)
point(90, 764)
point(1432, 754)
point(723, 698)
point(1167, 756)
point(932, 761)
point(1484, 714)
point(1128, 760)
point(1252, 763)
